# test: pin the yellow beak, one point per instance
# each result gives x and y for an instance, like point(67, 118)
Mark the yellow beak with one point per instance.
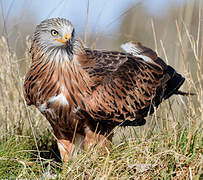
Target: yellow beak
point(66, 38)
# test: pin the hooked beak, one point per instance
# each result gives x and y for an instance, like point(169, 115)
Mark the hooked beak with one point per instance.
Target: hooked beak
point(64, 41)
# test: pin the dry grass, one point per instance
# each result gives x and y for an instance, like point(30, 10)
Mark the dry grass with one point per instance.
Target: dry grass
point(171, 143)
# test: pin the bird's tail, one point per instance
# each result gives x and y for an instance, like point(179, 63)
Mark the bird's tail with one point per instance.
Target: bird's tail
point(178, 92)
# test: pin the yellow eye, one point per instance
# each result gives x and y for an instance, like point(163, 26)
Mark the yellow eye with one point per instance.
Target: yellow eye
point(54, 32)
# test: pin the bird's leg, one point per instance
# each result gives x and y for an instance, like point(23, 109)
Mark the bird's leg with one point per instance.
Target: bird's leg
point(66, 147)
point(92, 139)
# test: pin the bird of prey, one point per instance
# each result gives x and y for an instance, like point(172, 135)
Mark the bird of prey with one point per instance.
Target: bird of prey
point(85, 92)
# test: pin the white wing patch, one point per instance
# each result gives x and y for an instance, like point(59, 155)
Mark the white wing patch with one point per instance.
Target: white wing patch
point(145, 58)
point(59, 98)
point(135, 51)
point(131, 48)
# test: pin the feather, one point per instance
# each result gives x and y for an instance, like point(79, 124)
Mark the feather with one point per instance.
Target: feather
point(136, 49)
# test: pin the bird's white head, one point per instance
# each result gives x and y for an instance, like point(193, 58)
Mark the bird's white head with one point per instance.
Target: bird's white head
point(54, 34)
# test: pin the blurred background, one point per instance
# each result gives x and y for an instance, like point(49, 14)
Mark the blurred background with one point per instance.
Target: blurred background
point(101, 23)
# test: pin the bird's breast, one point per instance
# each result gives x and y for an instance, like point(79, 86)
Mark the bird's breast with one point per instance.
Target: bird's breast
point(58, 91)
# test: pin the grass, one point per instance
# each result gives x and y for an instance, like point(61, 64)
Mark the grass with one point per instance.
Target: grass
point(18, 159)
point(166, 159)
point(169, 146)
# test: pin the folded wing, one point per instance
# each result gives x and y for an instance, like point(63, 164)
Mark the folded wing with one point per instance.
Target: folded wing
point(127, 86)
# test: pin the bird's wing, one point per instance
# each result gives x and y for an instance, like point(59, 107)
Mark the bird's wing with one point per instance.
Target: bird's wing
point(125, 85)
point(99, 64)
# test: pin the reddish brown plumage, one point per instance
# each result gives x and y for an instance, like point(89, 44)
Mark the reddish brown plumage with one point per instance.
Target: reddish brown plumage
point(97, 90)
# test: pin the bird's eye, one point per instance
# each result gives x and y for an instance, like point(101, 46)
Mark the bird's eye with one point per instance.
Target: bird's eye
point(54, 32)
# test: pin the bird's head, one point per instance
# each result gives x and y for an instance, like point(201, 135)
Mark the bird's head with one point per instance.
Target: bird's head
point(55, 33)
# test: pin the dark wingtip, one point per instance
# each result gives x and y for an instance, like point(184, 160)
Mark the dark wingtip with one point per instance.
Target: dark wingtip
point(174, 83)
point(175, 86)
